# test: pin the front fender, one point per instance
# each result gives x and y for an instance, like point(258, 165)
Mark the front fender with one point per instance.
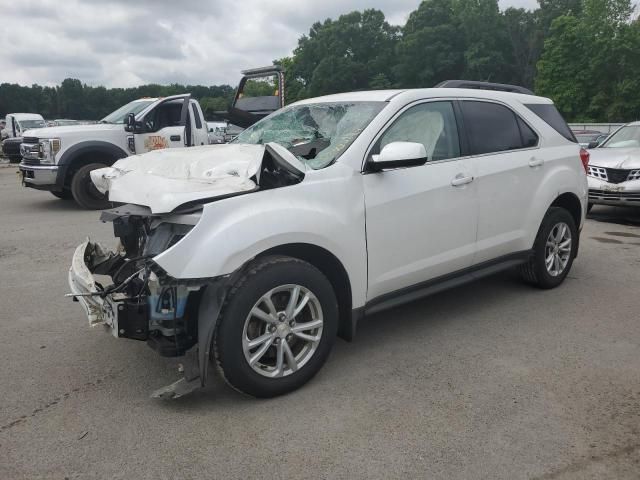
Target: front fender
point(325, 211)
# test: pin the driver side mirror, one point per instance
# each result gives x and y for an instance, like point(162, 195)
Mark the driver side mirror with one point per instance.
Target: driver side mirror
point(399, 155)
point(593, 144)
point(131, 125)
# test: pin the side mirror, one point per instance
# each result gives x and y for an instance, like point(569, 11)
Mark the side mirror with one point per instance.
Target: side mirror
point(593, 144)
point(398, 155)
point(130, 123)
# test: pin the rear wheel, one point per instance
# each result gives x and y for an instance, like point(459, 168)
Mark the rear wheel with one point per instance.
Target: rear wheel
point(85, 192)
point(277, 327)
point(63, 194)
point(553, 251)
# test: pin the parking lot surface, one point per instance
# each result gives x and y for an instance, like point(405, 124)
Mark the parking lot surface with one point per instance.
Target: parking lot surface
point(491, 380)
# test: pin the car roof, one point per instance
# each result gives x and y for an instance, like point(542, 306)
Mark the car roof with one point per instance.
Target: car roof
point(388, 95)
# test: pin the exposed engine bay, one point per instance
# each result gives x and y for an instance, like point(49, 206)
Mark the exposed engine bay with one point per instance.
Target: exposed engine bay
point(129, 293)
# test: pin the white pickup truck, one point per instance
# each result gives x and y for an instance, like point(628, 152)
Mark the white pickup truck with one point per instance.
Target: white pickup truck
point(60, 159)
point(11, 135)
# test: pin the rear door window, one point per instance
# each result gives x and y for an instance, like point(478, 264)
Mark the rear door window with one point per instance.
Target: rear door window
point(550, 114)
point(494, 128)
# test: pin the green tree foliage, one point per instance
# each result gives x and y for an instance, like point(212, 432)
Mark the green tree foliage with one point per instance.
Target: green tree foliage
point(343, 54)
point(72, 99)
point(591, 62)
point(432, 46)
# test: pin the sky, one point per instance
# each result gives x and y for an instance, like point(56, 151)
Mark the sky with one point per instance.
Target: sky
point(122, 43)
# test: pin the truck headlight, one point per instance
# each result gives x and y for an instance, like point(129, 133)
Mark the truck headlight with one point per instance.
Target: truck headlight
point(48, 148)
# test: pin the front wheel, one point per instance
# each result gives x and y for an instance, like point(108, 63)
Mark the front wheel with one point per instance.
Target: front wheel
point(554, 249)
point(85, 192)
point(277, 327)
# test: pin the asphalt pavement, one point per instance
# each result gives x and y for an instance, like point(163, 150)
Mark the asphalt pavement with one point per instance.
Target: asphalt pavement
point(492, 380)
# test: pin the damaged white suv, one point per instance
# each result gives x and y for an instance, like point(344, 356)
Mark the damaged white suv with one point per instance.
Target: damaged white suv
point(257, 254)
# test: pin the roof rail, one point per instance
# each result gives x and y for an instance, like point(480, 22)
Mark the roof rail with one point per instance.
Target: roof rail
point(501, 87)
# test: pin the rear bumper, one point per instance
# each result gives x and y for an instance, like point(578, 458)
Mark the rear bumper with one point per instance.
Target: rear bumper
point(42, 177)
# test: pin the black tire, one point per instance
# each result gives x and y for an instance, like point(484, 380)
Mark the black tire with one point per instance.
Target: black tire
point(63, 195)
point(84, 191)
point(589, 207)
point(535, 270)
point(263, 275)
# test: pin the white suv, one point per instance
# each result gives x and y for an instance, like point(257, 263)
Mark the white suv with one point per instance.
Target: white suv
point(258, 253)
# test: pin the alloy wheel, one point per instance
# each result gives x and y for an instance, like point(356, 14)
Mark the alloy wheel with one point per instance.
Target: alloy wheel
point(282, 331)
point(558, 249)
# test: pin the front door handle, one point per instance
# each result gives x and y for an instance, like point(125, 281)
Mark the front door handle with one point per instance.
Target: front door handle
point(460, 180)
point(536, 162)
point(174, 138)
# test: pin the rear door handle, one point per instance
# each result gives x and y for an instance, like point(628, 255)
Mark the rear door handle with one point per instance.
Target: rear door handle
point(536, 162)
point(174, 138)
point(460, 180)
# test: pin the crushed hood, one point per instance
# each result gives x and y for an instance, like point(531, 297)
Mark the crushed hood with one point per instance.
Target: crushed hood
point(165, 179)
point(624, 158)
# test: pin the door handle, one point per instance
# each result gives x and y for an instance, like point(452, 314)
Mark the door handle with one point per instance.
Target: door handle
point(460, 180)
point(174, 138)
point(536, 162)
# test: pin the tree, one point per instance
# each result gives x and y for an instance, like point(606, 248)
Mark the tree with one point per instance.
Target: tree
point(344, 54)
point(432, 48)
point(590, 62)
point(486, 44)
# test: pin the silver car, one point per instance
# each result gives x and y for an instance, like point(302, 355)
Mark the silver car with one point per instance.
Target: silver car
point(614, 169)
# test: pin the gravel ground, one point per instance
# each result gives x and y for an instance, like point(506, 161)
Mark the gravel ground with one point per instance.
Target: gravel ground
point(492, 380)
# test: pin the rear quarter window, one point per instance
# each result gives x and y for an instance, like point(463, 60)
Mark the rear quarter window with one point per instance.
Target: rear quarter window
point(550, 114)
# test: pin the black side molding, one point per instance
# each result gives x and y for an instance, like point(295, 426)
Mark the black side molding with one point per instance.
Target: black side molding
point(455, 279)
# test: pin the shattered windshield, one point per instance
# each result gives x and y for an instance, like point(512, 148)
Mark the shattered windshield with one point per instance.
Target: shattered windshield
point(120, 114)
point(626, 137)
point(316, 134)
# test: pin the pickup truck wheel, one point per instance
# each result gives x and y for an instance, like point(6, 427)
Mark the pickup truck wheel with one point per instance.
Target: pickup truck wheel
point(553, 251)
point(277, 327)
point(63, 195)
point(85, 192)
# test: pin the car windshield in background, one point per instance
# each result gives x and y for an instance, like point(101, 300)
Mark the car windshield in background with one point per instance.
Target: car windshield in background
point(626, 137)
point(119, 115)
point(27, 124)
point(316, 134)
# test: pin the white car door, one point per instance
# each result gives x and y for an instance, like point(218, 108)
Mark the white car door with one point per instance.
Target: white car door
point(165, 127)
point(509, 169)
point(420, 221)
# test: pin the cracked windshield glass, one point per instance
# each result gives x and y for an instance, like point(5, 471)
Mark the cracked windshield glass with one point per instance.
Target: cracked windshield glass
point(316, 134)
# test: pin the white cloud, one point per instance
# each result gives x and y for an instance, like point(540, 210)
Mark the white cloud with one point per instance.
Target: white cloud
point(124, 43)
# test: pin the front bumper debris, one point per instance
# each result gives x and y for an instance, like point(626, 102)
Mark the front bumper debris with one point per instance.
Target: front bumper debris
point(100, 310)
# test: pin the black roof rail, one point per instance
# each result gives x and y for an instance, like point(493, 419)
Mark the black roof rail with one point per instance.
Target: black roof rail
point(501, 87)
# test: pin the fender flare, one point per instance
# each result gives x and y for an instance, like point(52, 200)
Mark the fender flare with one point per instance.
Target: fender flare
point(78, 150)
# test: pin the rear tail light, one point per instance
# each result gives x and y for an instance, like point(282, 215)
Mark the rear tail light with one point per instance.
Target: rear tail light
point(584, 158)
